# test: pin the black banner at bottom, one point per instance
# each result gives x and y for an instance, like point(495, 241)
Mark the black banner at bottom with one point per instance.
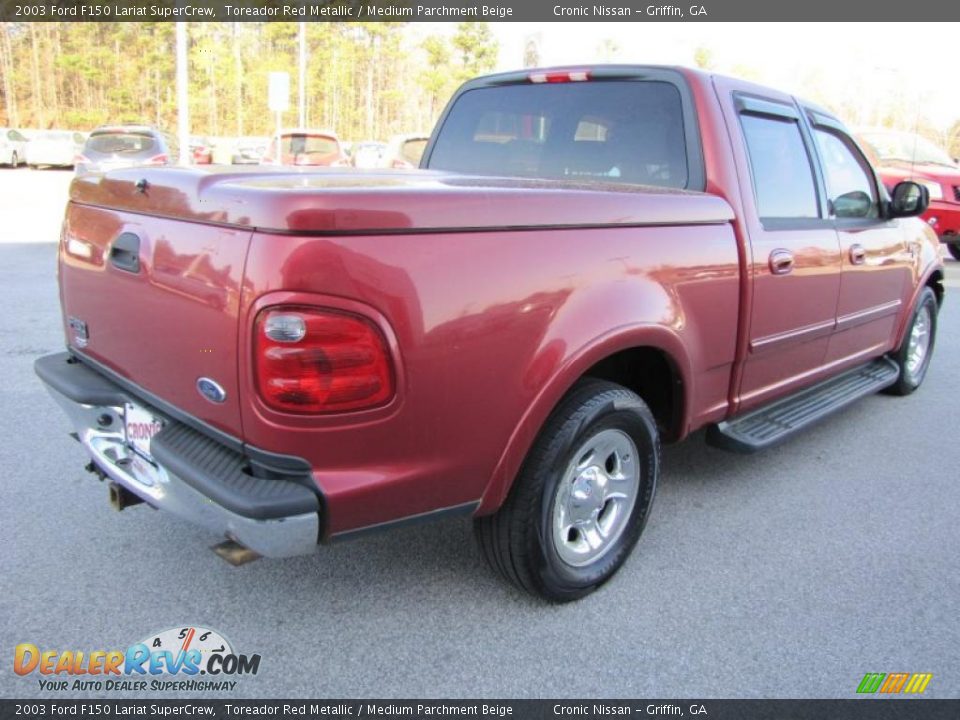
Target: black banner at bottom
point(853, 709)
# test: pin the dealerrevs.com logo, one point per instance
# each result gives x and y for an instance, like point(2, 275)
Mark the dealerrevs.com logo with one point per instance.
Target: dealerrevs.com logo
point(180, 659)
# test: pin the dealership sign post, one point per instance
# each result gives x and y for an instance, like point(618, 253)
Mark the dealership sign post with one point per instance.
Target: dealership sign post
point(278, 100)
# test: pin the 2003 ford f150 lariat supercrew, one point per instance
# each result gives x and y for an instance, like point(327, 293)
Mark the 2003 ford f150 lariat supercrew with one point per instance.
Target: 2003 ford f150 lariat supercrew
point(589, 262)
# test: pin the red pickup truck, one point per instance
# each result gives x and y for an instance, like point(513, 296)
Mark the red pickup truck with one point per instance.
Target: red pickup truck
point(899, 156)
point(588, 263)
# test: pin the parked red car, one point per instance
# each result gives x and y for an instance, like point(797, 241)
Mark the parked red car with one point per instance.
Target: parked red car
point(594, 262)
point(306, 148)
point(201, 150)
point(906, 156)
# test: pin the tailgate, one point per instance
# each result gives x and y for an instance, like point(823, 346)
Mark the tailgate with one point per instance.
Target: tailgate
point(157, 300)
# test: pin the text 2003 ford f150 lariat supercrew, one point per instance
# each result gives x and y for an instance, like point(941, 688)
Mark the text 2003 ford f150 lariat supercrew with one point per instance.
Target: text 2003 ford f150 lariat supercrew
point(589, 263)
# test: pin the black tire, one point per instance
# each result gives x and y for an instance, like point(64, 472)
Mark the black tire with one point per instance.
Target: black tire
point(911, 377)
point(519, 540)
point(954, 249)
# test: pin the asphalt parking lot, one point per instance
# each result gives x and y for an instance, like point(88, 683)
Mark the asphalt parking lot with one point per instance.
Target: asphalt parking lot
point(785, 574)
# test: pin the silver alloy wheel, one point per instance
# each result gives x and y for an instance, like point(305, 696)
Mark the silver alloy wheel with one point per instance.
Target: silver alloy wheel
point(595, 498)
point(919, 343)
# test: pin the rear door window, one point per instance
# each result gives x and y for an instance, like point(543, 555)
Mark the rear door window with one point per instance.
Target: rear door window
point(595, 131)
point(782, 174)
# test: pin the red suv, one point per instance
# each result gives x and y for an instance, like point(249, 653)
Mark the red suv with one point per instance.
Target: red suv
point(306, 147)
point(905, 156)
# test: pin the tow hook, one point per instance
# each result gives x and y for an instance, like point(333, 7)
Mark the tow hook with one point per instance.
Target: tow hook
point(121, 498)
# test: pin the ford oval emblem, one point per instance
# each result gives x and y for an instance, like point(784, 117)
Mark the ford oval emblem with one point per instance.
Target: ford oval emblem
point(211, 390)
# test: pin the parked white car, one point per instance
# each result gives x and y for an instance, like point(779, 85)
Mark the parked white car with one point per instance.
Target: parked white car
point(12, 143)
point(367, 154)
point(54, 148)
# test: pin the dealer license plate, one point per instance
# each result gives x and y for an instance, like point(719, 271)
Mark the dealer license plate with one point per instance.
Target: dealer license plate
point(140, 425)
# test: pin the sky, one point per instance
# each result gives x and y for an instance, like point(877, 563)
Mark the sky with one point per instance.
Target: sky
point(856, 69)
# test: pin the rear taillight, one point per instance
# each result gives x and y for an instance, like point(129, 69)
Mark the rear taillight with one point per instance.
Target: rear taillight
point(79, 159)
point(559, 76)
point(157, 160)
point(309, 360)
point(401, 165)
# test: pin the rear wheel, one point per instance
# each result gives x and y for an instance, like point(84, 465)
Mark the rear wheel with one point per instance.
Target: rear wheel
point(954, 249)
point(913, 355)
point(581, 499)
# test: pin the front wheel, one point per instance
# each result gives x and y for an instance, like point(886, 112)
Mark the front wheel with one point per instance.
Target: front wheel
point(582, 497)
point(913, 355)
point(954, 249)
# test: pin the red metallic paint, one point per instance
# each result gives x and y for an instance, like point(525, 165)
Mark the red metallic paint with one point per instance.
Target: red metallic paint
point(351, 201)
point(170, 324)
point(790, 334)
point(486, 347)
point(927, 266)
point(494, 296)
point(723, 179)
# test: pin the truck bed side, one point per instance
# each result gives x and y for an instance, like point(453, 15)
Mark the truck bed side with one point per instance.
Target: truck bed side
point(492, 328)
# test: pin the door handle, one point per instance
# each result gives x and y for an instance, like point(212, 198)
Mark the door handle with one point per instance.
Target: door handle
point(857, 254)
point(125, 253)
point(781, 262)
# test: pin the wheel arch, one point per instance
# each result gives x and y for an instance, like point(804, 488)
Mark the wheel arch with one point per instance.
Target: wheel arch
point(615, 357)
point(933, 279)
point(935, 283)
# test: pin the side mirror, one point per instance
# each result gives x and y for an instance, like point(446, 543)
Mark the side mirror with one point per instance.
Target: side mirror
point(856, 204)
point(908, 199)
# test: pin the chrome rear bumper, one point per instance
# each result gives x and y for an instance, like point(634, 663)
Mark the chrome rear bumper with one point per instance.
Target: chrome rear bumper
point(100, 429)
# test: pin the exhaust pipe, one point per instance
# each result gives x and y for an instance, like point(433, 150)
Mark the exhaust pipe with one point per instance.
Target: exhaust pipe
point(235, 553)
point(121, 498)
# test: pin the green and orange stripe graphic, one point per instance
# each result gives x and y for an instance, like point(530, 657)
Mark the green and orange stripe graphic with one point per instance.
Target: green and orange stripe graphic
point(911, 683)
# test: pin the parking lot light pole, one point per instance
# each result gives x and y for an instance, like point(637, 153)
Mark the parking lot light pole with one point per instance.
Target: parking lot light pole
point(183, 107)
point(303, 75)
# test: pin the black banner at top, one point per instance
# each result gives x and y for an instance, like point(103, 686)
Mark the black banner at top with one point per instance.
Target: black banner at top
point(472, 10)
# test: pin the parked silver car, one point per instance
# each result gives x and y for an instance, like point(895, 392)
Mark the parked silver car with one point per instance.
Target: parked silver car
point(404, 151)
point(12, 144)
point(119, 146)
point(249, 150)
point(54, 148)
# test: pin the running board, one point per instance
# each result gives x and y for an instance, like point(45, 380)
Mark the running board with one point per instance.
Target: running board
point(772, 424)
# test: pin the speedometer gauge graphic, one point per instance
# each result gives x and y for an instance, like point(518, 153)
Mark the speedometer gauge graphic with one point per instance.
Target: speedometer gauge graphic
point(193, 637)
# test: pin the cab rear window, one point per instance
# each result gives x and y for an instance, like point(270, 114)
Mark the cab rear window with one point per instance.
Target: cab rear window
point(596, 131)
